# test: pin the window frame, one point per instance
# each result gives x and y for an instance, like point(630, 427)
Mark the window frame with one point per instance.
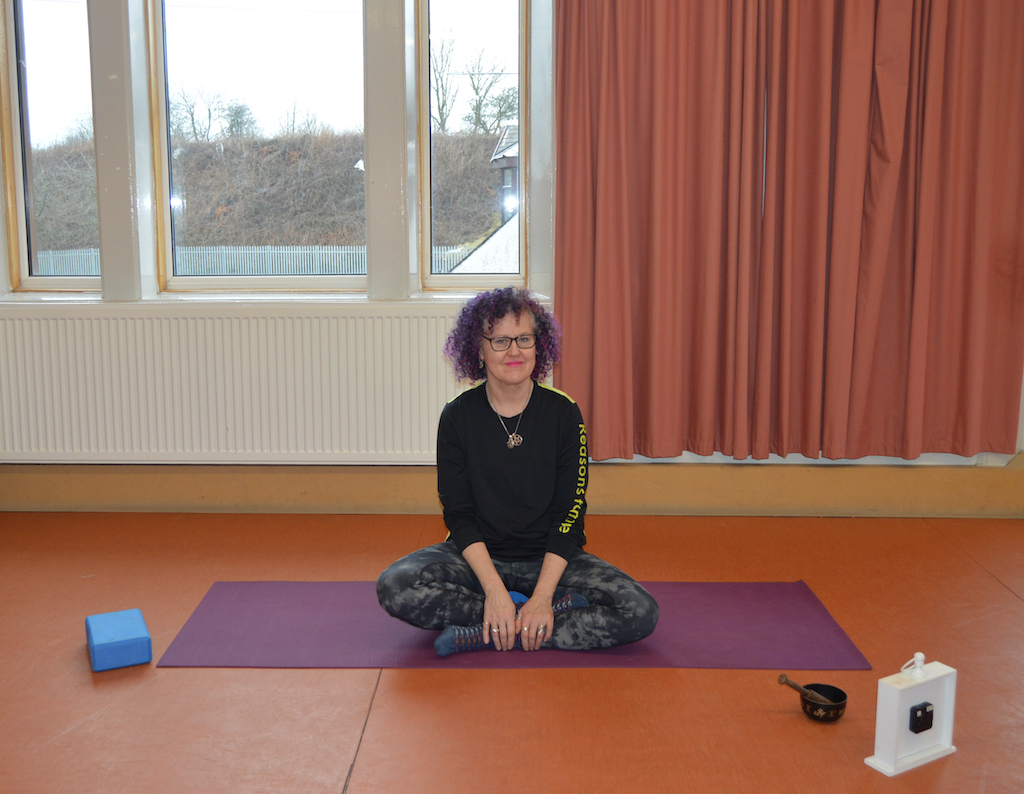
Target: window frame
point(442, 281)
point(170, 283)
point(16, 166)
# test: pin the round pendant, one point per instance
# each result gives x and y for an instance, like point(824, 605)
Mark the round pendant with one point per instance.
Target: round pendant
point(514, 440)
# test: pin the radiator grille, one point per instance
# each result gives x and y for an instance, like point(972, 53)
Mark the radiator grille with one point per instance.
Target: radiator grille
point(345, 384)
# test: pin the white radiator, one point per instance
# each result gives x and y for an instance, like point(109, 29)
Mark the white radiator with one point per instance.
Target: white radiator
point(275, 382)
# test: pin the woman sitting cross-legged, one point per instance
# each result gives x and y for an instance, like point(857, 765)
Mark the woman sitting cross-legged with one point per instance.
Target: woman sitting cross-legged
point(512, 472)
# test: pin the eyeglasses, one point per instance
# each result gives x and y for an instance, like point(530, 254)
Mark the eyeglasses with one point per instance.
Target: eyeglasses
point(501, 343)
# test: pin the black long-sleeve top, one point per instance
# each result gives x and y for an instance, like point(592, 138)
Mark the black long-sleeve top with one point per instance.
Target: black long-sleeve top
point(521, 502)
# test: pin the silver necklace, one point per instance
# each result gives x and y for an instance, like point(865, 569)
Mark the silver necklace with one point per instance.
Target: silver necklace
point(514, 439)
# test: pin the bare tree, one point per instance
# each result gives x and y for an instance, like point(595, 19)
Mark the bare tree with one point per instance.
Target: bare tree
point(491, 106)
point(481, 83)
point(80, 130)
point(193, 114)
point(443, 90)
point(291, 125)
point(503, 108)
point(238, 121)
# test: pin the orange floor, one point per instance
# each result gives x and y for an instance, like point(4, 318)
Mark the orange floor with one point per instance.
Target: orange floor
point(951, 588)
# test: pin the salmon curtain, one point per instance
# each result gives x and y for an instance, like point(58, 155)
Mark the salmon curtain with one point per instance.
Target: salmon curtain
point(791, 227)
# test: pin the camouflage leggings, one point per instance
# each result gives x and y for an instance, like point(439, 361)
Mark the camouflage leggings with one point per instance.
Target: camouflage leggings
point(434, 587)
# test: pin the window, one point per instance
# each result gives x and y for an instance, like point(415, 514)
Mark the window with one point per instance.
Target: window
point(474, 136)
point(58, 154)
point(266, 138)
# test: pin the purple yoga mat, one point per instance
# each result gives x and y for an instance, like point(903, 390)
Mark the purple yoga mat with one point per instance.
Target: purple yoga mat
point(738, 625)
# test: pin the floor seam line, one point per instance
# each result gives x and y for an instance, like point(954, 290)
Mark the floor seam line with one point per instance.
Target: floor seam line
point(362, 733)
point(972, 558)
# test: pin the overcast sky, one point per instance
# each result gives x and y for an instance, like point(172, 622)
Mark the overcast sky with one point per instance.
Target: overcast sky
point(279, 57)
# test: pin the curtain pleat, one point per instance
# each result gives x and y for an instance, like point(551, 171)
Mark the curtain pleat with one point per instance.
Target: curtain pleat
point(787, 227)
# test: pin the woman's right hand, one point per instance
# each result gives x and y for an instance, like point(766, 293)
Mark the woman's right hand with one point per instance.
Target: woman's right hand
point(499, 611)
point(500, 620)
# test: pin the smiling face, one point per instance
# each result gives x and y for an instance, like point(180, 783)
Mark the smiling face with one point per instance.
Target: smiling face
point(512, 367)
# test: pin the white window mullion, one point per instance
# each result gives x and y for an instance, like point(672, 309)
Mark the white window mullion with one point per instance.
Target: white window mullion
point(538, 177)
point(118, 39)
point(390, 146)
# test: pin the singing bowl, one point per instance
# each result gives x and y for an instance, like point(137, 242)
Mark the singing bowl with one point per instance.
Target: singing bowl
point(819, 711)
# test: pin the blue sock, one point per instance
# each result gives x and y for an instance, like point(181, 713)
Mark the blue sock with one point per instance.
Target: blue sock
point(455, 639)
point(563, 604)
point(569, 601)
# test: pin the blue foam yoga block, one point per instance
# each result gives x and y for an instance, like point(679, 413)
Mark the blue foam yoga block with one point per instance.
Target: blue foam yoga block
point(118, 639)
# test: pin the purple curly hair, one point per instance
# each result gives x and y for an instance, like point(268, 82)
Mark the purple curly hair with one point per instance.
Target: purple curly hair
point(487, 308)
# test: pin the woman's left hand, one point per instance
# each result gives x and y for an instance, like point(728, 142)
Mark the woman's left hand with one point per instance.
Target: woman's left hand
point(535, 622)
